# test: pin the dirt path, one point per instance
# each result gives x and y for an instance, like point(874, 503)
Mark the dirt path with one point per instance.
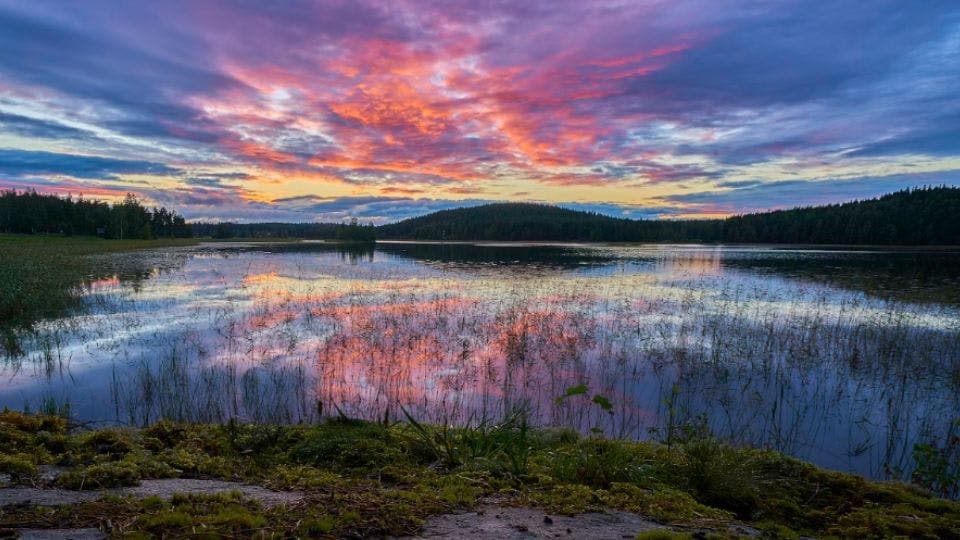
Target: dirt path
point(61, 534)
point(489, 522)
point(501, 523)
point(147, 488)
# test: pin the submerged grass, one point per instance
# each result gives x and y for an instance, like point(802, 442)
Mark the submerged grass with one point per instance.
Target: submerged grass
point(373, 479)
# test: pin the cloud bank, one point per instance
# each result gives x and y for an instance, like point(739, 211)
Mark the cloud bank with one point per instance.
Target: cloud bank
point(317, 110)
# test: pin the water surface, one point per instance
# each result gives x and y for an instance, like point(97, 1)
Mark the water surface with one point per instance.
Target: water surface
point(845, 358)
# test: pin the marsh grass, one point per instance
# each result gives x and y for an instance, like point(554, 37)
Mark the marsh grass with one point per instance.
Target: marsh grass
point(805, 371)
point(40, 277)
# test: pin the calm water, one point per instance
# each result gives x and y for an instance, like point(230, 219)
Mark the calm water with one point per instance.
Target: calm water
point(843, 358)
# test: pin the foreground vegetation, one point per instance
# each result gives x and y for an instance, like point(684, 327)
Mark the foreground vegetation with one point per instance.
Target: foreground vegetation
point(370, 479)
point(39, 276)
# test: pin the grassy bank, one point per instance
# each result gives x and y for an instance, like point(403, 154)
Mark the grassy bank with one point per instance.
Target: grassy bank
point(370, 479)
point(40, 275)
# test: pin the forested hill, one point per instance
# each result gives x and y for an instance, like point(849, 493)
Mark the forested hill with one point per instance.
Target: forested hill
point(526, 221)
point(926, 216)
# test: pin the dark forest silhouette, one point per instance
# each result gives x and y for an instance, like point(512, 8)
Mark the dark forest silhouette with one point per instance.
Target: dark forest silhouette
point(921, 216)
point(28, 212)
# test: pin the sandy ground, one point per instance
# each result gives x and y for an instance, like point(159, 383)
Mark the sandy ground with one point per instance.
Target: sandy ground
point(61, 534)
point(489, 522)
point(147, 488)
point(501, 523)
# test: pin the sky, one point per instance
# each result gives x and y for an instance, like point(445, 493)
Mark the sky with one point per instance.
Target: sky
point(325, 110)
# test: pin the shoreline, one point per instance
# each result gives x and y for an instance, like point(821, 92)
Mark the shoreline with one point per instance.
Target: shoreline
point(345, 477)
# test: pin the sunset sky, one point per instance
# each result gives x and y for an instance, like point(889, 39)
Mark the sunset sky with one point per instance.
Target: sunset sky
point(319, 111)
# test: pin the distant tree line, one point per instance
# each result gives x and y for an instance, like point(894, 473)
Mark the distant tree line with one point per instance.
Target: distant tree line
point(347, 232)
point(922, 216)
point(29, 212)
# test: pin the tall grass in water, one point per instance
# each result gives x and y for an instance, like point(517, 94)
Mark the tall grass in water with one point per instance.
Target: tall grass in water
point(40, 277)
point(784, 369)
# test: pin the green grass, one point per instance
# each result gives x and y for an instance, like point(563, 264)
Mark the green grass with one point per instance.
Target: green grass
point(41, 275)
point(369, 479)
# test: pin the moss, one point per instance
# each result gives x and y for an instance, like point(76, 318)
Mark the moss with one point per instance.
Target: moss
point(33, 423)
point(663, 503)
point(778, 531)
point(52, 442)
point(349, 445)
point(13, 439)
point(364, 479)
point(600, 462)
point(721, 476)
point(900, 520)
point(20, 467)
point(197, 464)
point(317, 526)
point(165, 434)
point(236, 519)
point(664, 535)
point(302, 478)
point(100, 476)
point(565, 499)
point(458, 491)
point(165, 521)
point(107, 442)
point(149, 466)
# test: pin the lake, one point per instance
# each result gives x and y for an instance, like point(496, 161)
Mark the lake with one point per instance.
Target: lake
point(845, 358)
